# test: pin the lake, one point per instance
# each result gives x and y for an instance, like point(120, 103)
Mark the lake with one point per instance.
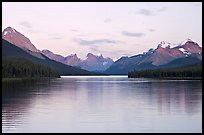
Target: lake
point(102, 104)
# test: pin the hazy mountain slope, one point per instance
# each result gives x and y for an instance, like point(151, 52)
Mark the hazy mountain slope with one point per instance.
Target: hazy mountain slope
point(11, 51)
point(98, 64)
point(91, 63)
point(95, 63)
point(52, 56)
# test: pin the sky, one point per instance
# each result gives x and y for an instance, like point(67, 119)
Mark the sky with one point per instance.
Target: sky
point(113, 29)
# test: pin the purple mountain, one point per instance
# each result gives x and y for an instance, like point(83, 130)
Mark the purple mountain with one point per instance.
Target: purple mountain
point(162, 56)
point(91, 63)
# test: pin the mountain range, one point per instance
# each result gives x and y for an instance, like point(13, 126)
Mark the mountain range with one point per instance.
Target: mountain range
point(12, 52)
point(17, 47)
point(186, 53)
point(165, 55)
point(91, 63)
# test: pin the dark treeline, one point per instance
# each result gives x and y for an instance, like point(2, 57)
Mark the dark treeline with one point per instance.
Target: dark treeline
point(182, 72)
point(12, 68)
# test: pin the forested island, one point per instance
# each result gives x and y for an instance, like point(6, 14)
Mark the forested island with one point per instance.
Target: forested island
point(189, 72)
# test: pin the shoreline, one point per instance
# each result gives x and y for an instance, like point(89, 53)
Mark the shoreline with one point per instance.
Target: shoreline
point(172, 78)
point(26, 78)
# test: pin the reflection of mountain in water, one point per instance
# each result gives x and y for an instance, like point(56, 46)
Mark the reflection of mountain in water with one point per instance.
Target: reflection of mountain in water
point(184, 95)
point(97, 96)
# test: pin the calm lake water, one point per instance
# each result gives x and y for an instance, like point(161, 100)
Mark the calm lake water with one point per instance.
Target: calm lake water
point(102, 104)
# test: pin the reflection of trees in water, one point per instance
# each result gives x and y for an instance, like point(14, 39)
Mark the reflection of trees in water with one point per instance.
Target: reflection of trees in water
point(167, 97)
point(16, 99)
point(19, 97)
point(68, 87)
point(182, 95)
point(193, 97)
point(170, 96)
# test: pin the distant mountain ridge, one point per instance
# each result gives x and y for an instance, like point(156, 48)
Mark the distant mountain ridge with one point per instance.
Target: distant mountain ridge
point(91, 63)
point(10, 51)
point(95, 63)
point(188, 52)
point(165, 55)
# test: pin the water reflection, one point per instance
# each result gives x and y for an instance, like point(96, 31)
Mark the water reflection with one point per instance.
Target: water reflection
point(101, 104)
point(186, 95)
point(17, 98)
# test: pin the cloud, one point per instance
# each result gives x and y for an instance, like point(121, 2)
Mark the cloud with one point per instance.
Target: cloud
point(55, 38)
point(81, 35)
point(95, 49)
point(146, 12)
point(51, 38)
point(131, 34)
point(162, 9)
point(73, 30)
point(107, 20)
point(32, 31)
point(95, 42)
point(151, 30)
point(103, 34)
point(25, 24)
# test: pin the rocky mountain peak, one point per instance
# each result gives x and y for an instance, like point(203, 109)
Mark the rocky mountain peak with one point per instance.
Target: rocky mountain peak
point(13, 36)
point(164, 44)
point(90, 55)
point(8, 30)
point(188, 40)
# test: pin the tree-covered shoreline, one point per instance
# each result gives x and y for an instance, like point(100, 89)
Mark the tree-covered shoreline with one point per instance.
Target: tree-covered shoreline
point(22, 68)
point(189, 72)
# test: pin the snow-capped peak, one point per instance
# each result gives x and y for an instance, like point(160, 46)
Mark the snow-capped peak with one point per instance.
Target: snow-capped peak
point(13, 36)
point(9, 30)
point(184, 51)
point(164, 44)
point(5, 32)
point(187, 40)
